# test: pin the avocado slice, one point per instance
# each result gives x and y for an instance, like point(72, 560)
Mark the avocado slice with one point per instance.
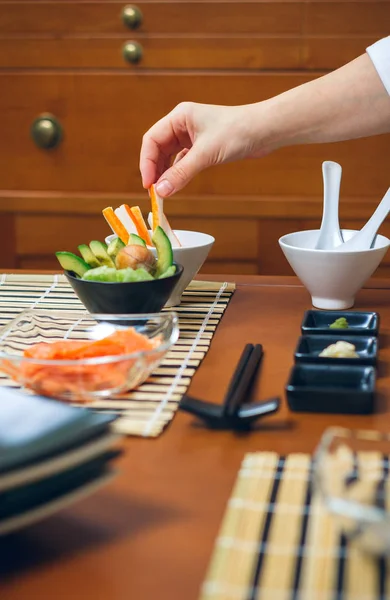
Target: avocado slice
point(88, 256)
point(164, 251)
point(100, 251)
point(136, 240)
point(114, 247)
point(71, 262)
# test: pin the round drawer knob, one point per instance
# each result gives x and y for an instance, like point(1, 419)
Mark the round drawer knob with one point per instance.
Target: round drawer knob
point(132, 52)
point(132, 16)
point(46, 131)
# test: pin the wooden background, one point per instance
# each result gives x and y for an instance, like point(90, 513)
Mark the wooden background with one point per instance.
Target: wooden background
point(65, 58)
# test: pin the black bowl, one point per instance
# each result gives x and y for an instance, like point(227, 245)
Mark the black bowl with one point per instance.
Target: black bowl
point(124, 298)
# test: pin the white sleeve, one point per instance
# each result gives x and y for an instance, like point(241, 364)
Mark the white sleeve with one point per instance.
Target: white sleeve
point(380, 56)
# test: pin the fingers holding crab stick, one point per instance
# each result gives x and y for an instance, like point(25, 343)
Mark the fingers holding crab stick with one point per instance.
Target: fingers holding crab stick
point(115, 224)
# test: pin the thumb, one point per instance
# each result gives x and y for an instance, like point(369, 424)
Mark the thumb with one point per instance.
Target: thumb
point(188, 164)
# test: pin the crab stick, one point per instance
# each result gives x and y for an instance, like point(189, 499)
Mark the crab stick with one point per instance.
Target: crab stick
point(125, 219)
point(138, 220)
point(159, 218)
point(157, 207)
point(115, 224)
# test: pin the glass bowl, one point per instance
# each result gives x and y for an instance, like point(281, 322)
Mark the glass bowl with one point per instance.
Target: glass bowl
point(87, 379)
point(352, 475)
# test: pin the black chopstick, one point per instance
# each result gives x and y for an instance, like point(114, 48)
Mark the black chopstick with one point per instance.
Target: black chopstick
point(242, 378)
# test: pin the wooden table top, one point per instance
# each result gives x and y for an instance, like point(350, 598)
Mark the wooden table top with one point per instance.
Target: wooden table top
point(149, 535)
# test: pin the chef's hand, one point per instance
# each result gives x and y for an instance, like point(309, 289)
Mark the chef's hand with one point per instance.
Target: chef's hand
point(196, 136)
point(348, 103)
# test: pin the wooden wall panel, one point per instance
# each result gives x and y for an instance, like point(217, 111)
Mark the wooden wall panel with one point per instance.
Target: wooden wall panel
point(348, 18)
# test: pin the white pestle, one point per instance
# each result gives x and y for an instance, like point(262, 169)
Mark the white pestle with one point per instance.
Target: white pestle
point(364, 239)
point(330, 235)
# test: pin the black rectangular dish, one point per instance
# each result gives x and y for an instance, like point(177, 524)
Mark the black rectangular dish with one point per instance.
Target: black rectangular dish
point(309, 348)
point(317, 322)
point(331, 389)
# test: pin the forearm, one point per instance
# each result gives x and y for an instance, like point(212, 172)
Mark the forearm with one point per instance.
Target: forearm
point(348, 103)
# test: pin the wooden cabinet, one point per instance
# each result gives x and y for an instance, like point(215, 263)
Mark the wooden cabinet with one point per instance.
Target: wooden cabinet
point(65, 60)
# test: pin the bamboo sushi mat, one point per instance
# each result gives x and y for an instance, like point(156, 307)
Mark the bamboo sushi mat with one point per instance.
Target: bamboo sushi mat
point(278, 542)
point(147, 410)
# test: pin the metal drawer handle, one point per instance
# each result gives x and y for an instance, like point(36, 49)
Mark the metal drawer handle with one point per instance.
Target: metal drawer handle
point(132, 52)
point(132, 16)
point(46, 131)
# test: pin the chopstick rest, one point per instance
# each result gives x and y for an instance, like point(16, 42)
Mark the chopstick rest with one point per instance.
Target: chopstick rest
point(234, 413)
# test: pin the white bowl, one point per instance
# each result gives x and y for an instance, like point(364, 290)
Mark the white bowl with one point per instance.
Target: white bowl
point(332, 278)
point(192, 254)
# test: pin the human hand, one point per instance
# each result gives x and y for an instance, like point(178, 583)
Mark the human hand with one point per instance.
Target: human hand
point(198, 136)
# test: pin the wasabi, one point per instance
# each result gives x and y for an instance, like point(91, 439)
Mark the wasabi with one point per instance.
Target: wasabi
point(340, 323)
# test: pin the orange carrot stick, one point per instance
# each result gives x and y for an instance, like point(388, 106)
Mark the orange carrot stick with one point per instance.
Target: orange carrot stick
point(115, 224)
point(138, 220)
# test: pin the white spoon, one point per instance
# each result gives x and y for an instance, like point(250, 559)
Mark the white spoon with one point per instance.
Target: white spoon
point(363, 239)
point(330, 235)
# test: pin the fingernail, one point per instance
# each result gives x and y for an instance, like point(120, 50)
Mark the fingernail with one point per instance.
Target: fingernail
point(164, 188)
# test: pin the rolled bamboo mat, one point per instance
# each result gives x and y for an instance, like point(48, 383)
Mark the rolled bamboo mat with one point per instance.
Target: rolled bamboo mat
point(147, 410)
point(278, 541)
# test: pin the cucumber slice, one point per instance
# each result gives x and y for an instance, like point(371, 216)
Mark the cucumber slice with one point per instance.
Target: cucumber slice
point(88, 256)
point(164, 251)
point(169, 272)
point(73, 263)
point(136, 240)
point(100, 251)
point(114, 247)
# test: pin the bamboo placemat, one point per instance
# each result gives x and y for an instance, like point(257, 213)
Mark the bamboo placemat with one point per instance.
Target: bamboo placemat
point(279, 542)
point(148, 409)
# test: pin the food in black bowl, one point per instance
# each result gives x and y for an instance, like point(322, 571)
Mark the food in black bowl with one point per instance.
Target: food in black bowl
point(123, 279)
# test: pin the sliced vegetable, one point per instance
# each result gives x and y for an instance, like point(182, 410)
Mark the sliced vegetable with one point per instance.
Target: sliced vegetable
point(115, 224)
point(114, 247)
point(100, 251)
point(128, 275)
point(136, 215)
point(136, 240)
point(104, 273)
point(169, 272)
point(164, 251)
point(73, 263)
point(89, 256)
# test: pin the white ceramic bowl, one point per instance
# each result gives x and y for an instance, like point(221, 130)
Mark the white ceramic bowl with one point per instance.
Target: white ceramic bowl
point(332, 278)
point(192, 254)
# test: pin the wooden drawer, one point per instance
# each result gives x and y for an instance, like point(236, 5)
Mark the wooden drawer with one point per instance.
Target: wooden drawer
point(157, 53)
point(105, 115)
point(54, 18)
point(249, 53)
